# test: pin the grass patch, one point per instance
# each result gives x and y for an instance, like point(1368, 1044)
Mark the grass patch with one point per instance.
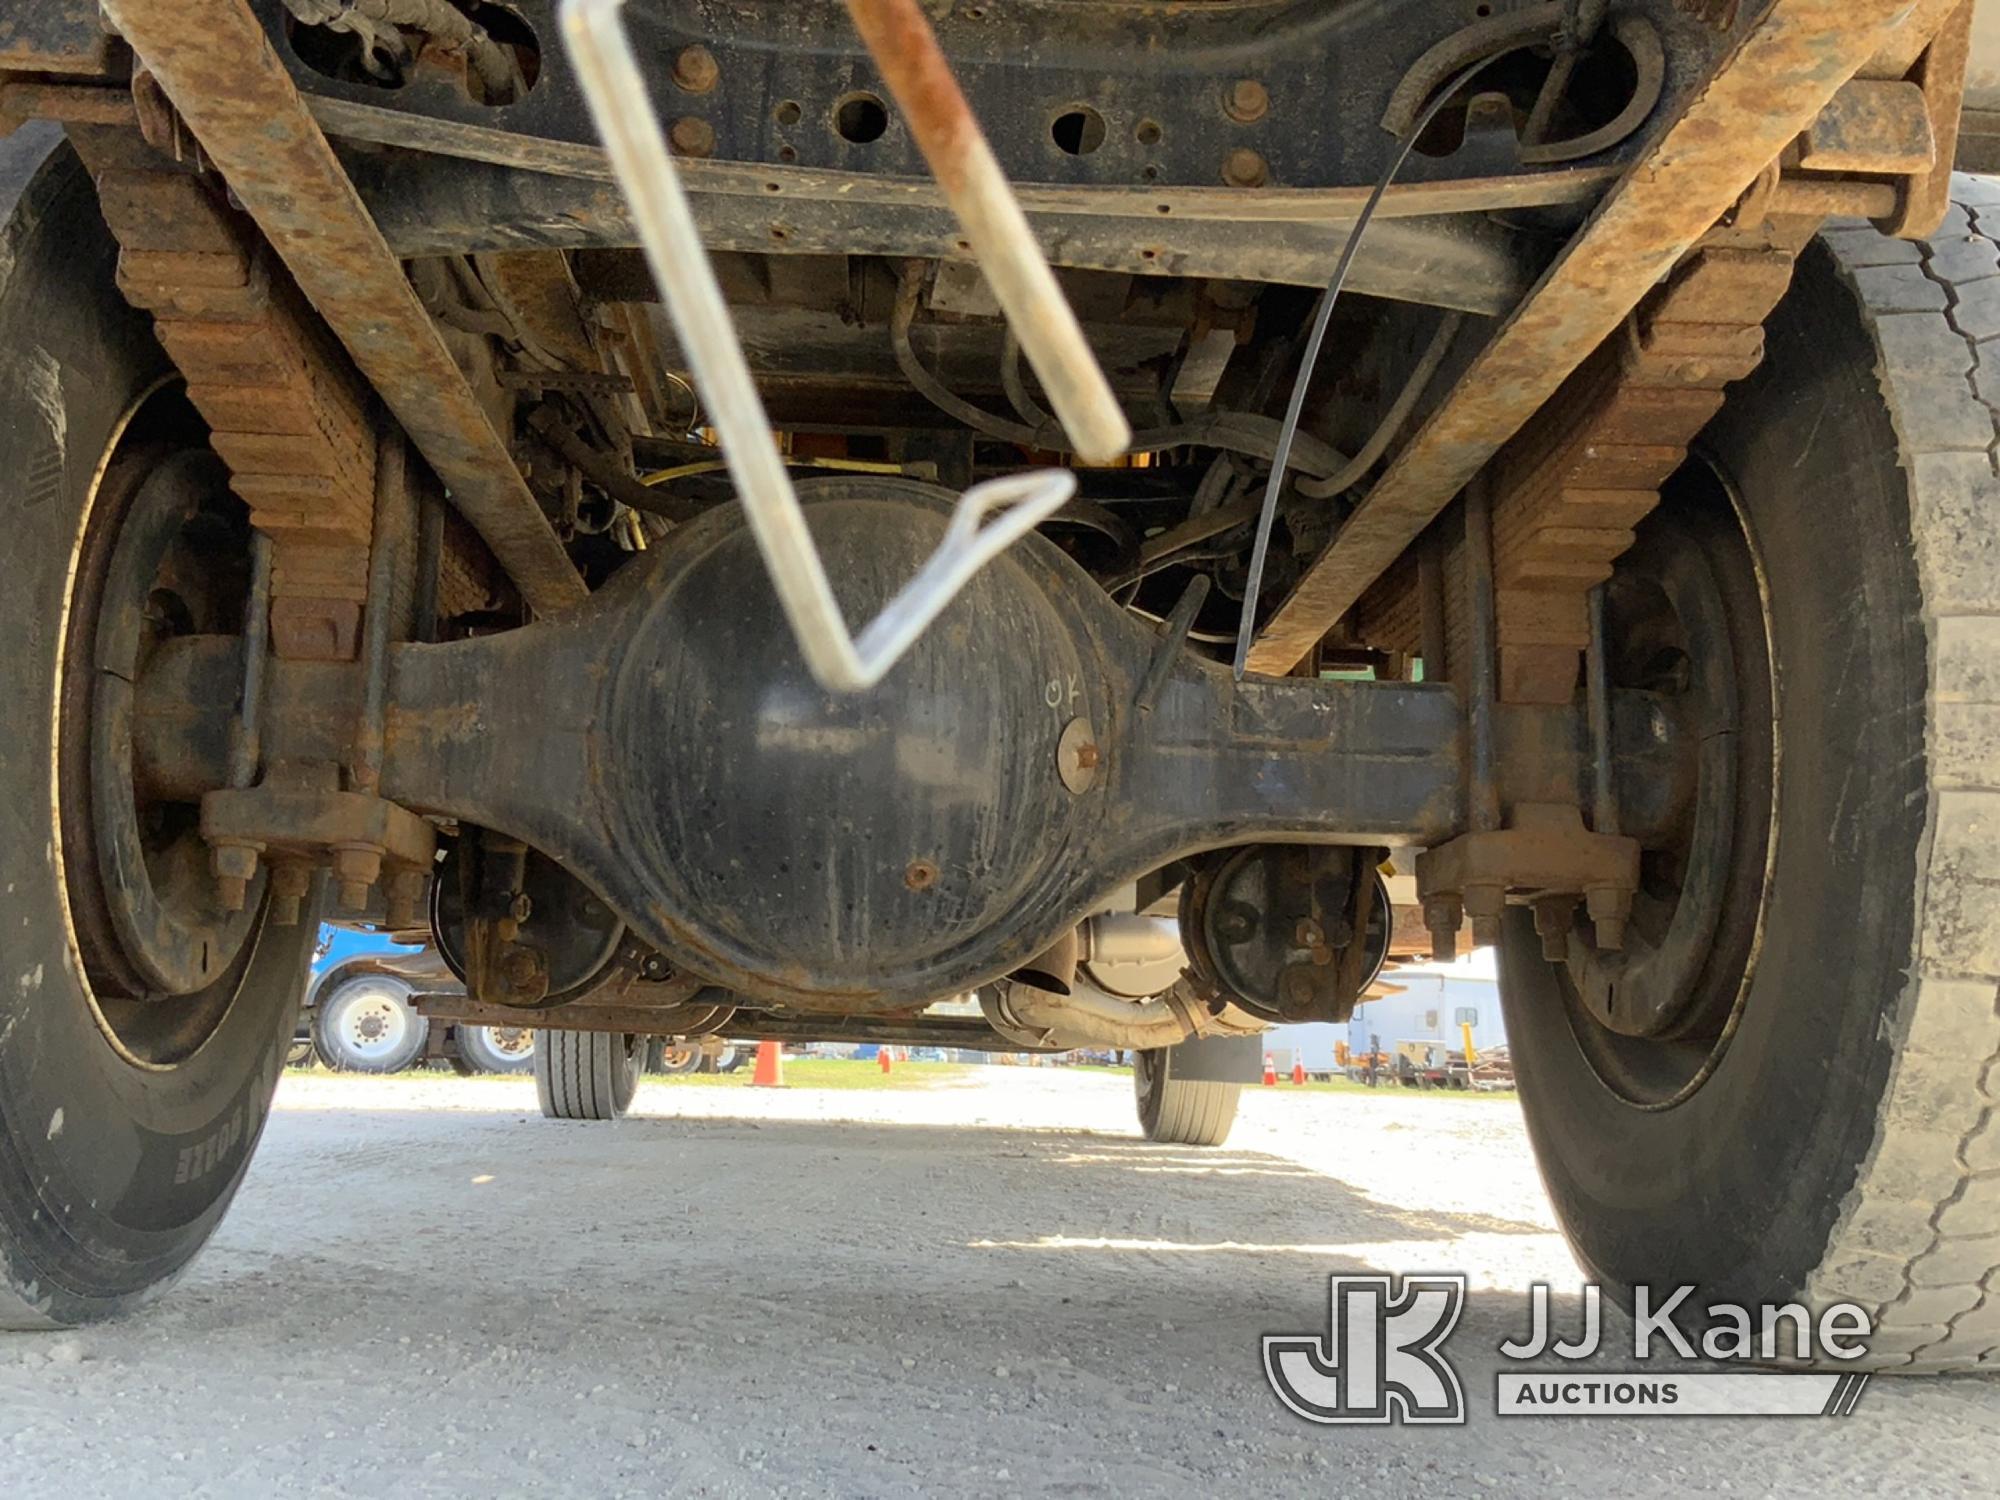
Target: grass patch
point(829, 1073)
point(800, 1073)
point(1387, 1087)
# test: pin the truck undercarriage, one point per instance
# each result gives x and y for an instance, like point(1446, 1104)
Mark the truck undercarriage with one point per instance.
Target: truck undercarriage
point(1374, 476)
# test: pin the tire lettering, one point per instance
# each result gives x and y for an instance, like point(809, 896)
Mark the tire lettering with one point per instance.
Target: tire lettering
point(197, 1161)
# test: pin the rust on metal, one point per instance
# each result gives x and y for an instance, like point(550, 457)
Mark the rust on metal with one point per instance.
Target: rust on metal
point(286, 411)
point(1244, 168)
point(72, 103)
point(1776, 80)
point(1246, 101)
point(1589, 467)
point(1940, 71)
point(1586, 469)
point(216, 65)
point(926, 90)
point(900, 40)
point(695, 70)
point(1871, 125)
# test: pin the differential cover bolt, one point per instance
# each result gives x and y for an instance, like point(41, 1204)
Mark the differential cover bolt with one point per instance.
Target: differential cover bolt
point(1078, 756)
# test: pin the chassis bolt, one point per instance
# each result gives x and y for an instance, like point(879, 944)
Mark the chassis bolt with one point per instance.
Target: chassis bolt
point(1553, 915)
point(1483, 904)
point(519, 968)
point(695, 70)
point(234, 867)
point(357, 867)
point(1443, 915)
point(290, 880)
point(1610, 908)
point(692, 136)
point(405, 897)
point(521, 908)
point(1244, 168)
point(1246, 101)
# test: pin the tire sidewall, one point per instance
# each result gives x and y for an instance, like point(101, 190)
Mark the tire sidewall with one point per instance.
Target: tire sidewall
point(1737, 1188)
point(111, 1173)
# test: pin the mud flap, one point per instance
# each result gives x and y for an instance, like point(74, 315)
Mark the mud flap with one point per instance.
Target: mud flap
point(1218, 1059)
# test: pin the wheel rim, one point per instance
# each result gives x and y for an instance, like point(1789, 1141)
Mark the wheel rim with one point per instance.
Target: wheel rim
point(371, 1024)
point(163, 553)
point(1687, 618)
point(514, 1043)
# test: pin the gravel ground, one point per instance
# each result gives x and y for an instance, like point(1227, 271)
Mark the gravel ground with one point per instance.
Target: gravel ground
point(991, 1287)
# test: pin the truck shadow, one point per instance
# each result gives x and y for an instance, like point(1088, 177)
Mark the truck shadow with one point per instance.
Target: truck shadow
point(850, 1243)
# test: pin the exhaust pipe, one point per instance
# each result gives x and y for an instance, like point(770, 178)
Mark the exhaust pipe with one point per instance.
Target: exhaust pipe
point(1084, 1018)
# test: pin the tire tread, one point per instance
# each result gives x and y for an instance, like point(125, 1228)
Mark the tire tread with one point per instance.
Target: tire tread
point(1918, 1237)
point(577, 1074)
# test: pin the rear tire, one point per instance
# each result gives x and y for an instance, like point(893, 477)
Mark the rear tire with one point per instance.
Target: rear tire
point(587, 1075)
point(1181, 1111)
point(130, 1098)
point(1821, 1123)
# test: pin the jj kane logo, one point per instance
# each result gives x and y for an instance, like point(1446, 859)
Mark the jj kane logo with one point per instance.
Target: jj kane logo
point(1382, 1360)
point(1382, 1357)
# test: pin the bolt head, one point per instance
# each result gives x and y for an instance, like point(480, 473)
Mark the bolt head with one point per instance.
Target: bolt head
point(357, 863)
point(1078, 756)
point(231, 892)
point(406, 895)
point(695, 70)
point(692, 136)
point(1246, 101)
point(233, 862)
point(1244, 168)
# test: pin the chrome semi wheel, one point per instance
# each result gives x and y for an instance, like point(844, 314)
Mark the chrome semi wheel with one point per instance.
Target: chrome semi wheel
point(497, 1049)
point(670, 1058)
point(367, 1024)
point(1781, 1089)
point(143, 1022)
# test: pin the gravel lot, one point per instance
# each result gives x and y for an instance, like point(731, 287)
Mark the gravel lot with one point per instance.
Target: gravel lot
point(987, 1287)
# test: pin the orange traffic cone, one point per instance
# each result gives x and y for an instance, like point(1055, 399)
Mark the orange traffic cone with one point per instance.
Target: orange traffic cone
point(1298, 1067)
point(1270, 1072)
point(770, 1072)
point(882, 1056)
